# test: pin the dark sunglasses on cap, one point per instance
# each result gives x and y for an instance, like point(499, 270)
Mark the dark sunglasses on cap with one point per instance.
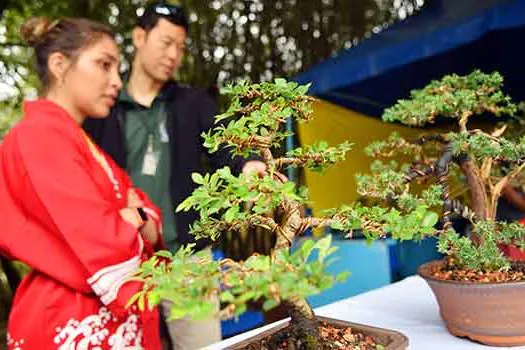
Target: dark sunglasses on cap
point(173, 13)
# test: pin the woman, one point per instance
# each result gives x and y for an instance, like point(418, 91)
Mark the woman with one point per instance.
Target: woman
point(67, 210)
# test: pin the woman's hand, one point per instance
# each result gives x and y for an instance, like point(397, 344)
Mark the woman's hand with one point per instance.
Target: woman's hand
point(132, 217)
point(134, 200)
point(147, 228)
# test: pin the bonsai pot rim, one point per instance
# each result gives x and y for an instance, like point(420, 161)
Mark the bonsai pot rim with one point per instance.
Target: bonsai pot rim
point(400, 341)
point(424, 272)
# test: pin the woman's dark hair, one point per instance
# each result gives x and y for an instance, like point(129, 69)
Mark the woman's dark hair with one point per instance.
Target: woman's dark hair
point(67, 36)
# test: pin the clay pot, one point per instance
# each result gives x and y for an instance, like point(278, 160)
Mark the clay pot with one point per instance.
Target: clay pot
point(490, 313)
point(391, 339)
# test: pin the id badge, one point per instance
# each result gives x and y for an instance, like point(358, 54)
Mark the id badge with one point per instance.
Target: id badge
point(150, 163)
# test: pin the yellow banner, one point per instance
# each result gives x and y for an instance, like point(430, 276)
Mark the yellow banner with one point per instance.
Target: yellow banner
point(335, 124)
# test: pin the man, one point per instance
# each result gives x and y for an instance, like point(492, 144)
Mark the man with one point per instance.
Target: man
point(154, 133)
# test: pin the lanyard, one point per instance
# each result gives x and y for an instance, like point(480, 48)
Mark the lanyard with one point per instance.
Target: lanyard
point(160, 117)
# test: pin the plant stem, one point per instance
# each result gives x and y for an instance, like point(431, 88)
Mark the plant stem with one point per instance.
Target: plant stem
point(303, 323)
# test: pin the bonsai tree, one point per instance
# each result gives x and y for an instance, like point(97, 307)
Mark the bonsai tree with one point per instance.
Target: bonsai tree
point(252, 126)
point(484, 163)
point(471, 284)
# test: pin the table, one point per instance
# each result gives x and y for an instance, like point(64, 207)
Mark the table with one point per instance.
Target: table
point(407, 306)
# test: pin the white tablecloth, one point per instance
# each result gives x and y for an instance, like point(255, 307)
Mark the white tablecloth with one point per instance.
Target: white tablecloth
point(407, 306)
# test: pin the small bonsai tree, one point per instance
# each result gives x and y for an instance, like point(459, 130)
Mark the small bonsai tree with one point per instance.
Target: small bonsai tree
point(252, 125)
point(483, 162)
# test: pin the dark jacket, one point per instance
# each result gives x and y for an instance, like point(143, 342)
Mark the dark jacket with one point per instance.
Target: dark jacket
point(189, 113)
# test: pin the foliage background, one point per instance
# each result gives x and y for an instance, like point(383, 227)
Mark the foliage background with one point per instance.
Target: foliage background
point(228, 40)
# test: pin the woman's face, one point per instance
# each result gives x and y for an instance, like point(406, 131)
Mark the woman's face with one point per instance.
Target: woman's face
point(93, 81)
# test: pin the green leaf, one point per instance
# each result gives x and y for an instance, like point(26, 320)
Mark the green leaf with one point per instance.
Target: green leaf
point(430, 219)
point(134, 298)
point(177, 313)
point(227, 297)
point(231, 213)
point(280, 82)
point(141, 301)
point(288, 187)
point(270, 304)
point(342, 276)
point(323, 245)
point(197, 178)
point(153, 299)
point(303, 89)
point(164, 253)
point(306, 248)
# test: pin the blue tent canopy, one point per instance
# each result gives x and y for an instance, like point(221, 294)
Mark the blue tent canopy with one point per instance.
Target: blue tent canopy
point(447, 36)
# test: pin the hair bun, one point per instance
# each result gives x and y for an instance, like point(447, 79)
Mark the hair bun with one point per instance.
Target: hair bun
point(35, 28)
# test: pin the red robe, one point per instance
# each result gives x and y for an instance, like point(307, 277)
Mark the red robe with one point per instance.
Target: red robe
point(59, 211)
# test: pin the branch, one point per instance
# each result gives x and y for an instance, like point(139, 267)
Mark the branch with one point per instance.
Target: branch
point(442, 169)
point(313, 222)
point(291, 226)
point(264, 222)
point(366, 223)
point(462, 210)
point(254, 220)
point(463, 120)
point(496, 192)
point(431, 138)
point(282, 162)
point(415, 173)
point(251, 142)
point(300, 161)
point(481, 132)
point(267, 223)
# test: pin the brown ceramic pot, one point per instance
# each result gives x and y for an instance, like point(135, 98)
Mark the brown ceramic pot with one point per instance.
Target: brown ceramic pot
point(391, 339)
point(490, 313)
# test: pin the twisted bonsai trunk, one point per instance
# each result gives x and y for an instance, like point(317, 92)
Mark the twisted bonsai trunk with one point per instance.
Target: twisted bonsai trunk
point(474, 183)
point(303, 325)
point(477, 192)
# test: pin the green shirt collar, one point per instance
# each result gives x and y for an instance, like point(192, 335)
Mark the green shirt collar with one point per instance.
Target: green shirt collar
point(125, 97)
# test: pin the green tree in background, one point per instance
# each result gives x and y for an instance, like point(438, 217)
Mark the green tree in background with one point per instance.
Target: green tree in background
point(229, 39)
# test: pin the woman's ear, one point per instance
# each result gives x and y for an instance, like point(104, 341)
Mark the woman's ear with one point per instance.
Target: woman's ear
point(58, 64)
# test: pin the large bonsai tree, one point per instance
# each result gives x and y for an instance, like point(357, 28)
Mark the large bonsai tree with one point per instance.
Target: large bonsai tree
point(484, 163)
point(253, 125)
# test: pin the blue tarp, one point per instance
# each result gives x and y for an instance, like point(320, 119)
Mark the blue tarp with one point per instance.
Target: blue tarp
point(446, 36)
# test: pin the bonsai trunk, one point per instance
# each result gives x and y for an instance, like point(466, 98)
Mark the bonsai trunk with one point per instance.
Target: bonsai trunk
point(477, 191)
point(303, 325)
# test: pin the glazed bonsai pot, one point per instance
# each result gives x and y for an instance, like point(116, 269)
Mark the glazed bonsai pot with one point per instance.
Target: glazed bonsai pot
point(490, 313)
point(391, 340)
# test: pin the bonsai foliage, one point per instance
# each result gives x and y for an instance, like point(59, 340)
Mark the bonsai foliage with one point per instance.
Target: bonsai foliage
point(486, 161)
point(251, 127)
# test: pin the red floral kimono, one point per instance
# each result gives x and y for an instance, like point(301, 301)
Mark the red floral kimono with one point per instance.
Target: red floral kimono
point(59, 211)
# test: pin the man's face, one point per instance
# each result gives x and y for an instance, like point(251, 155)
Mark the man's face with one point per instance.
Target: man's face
point(160, 51)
